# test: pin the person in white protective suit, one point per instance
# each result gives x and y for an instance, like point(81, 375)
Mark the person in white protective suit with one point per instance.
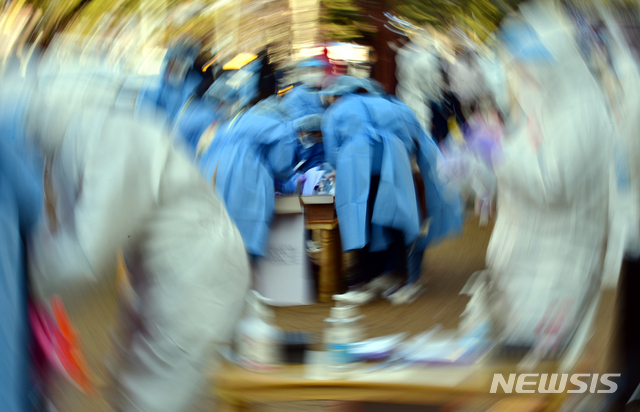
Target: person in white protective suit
point(419, 77)
point(121, 186)
point(465, 74)
point(546, 251)
point(622, 85)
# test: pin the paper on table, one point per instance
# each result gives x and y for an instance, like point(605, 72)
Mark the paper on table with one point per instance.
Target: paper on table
point(379, 345)
point(437, 350)
point(313, 177)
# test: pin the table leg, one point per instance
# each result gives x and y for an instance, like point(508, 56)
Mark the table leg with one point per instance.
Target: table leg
point(330, 263)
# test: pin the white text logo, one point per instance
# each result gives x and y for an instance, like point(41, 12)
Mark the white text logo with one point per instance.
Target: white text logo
point(556, 383)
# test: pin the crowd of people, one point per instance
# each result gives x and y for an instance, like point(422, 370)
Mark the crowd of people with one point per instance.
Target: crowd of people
point(183, 182)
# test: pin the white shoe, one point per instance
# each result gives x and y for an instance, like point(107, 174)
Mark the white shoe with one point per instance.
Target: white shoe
point(368, 292)
point(312, 247)
point(382, 283)
point(356, 297)
point(406, 294)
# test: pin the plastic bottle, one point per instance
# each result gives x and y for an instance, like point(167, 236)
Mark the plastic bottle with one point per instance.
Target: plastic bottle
point(342, 330)
point(258, 340)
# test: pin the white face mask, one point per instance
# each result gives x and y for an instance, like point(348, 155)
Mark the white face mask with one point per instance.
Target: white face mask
point(312, 78)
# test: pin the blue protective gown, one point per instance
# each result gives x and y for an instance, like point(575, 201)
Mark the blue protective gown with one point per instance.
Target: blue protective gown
point(443, 208)
point(371, 135)
point(247, 154)
point(20, 208)
point(194, 118)
point(167, 97)
point(302, 101)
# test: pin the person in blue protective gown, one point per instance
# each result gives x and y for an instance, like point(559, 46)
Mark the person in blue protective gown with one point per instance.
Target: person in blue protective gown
point(371, 138)
point(308, 156)
point(232, 91)
point(248, 152)
point(194, 119)
point(177, 83)
point(304, 100)
point(444, 211)
point(21, 200)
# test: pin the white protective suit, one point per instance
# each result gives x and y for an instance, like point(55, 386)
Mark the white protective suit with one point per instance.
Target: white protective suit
point(622, 87)
point(467, 80)
point(121, 185)
point(419, 77)
point(546, 250)
point(465, 73)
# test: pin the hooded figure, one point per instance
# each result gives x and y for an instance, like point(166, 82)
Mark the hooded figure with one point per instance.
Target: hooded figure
point(546, 250)
point(370, 139)
point(305, 100)
point(247, 153)
point(228, 95)
point(121, 186)
point(178, 81)
point(466, 79)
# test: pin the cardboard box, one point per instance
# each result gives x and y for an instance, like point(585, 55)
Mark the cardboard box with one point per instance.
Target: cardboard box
point(284, 274)
point(287, 205)
point(319, 209)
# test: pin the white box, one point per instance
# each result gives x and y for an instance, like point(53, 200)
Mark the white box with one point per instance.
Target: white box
point(284, 274)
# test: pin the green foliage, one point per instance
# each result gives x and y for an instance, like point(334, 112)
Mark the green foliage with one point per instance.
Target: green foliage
point(480, 16)
point(343, 20)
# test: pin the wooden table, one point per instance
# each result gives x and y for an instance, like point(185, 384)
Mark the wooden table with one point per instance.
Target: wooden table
point(237, 388)
point(330, 259)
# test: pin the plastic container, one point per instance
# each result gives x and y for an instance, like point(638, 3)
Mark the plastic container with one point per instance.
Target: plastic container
point(342, 330)
point(258, 340)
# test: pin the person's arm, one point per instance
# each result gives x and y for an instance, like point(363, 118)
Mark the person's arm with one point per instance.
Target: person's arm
point(443, 204)
point(282, 148)
point(444, 213)
point(330, 139)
